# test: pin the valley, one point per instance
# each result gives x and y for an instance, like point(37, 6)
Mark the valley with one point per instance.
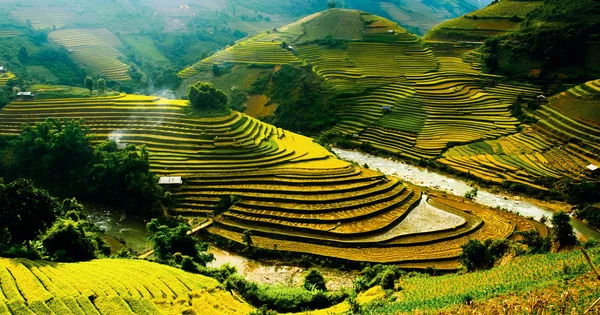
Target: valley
point(322, 157)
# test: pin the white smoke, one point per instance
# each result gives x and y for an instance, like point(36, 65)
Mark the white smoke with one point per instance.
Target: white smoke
point(116, 137)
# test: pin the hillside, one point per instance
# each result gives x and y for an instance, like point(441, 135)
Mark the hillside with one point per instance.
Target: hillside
point(291, 193)
point(423, 100)
point(496, 19)
point(109, 286)
point(561, 140)
point(118, 286)
point(544, 40)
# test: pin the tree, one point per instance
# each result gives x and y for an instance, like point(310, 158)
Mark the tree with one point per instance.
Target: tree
point(471, 194)
point(123, 178)
point(205, 96)
point(388, 280)
point(23, 54)
point(314, 280)
point(247, 238)
point(563, 230)
point(101, 85)
point(475, 256)
point(25, 211)
point(89, 84)
point(169, 240)
point(69, 240)
point(332, 4)
point(54, 153)
point(216, 70)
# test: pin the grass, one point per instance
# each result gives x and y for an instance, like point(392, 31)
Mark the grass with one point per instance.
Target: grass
point(44, 91)
point(328, 24)
point(95, 48)
point(523, 274)
point(493, 20)
point(145, 47)
point(149, 288)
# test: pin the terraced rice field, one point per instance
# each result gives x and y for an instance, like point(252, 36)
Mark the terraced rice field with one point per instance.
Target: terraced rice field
point(400, 95)
point(109, 286)
point(493, 20)
point(558, 145)
point(95, 48)
point(44, 17)
point(294, 194)
point(5, 77)
point(9, 33)
point(122, 286)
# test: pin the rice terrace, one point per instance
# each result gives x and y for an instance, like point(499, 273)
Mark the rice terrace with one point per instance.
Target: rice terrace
point(224, 157)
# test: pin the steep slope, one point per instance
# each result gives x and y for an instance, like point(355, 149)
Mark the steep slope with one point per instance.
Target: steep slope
point(532, 39)
point(562, 141)
point(109, 286)
point(395, 94)
point(496, 19)
point(290, 192)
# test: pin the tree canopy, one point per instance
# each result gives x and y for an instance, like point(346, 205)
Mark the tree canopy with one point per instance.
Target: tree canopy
point(205, 96)
point(25, 210)
point(54, 153)
point(175, 239)
point(57, 155)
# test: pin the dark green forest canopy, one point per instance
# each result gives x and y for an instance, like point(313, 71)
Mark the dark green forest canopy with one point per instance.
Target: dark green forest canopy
point(58, 155)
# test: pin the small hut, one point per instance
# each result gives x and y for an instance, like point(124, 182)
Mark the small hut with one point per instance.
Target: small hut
point(25, 96)
point(170, 180)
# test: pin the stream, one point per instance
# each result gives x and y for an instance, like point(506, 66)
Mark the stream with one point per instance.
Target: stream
point(133, 232)
point(425, 178)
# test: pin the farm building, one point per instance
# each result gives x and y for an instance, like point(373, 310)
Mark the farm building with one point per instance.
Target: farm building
point(595, 170)
point(2, 70)
point(290, 48)
point(386, 108)
point(166, 180)
point(541, 99)
point(25, 96)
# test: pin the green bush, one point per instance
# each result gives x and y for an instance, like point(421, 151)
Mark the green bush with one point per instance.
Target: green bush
point(314, 280)
point(476, 256)
point(591, 215)
point(562, 229)
point(535, 242)
point(173, 243)
point(205, 96)
point(388, 280)
point(282, 298)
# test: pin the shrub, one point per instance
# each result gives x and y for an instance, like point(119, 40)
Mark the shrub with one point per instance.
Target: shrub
point(205, 96)
point(169, 241)
point(471, 194)
point(591, 215)
point(314, 280)
point(68, 240)
point(388, 280)
point(562, 229)
point(476, 256)
point(283, 298)
point(535, 242)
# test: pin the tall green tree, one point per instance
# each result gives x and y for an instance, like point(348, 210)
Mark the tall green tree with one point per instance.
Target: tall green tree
point(25, 211)
point(53, 153)
point(89, 84)
point(562, 229)
point(101, 85)
point(314, 280)
point(123, 178)
point(205, 96)
point(476, 256)
point(169, 241)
